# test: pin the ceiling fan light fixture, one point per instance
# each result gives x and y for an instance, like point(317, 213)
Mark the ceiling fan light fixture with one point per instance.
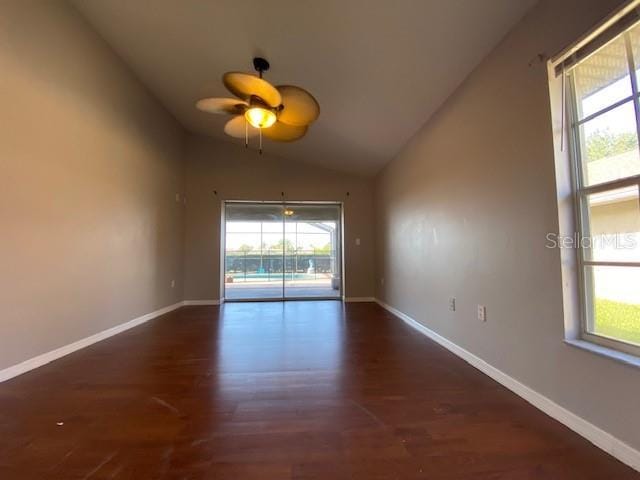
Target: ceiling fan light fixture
point(280, 113)
point(260, 117)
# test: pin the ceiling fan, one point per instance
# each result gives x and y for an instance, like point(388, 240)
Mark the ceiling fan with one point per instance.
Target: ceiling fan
point(282, 113)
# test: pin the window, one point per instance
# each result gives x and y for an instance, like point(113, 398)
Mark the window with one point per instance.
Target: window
point(604, 113)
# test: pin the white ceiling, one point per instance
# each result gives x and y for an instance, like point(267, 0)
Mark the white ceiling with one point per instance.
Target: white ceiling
point(379, 68)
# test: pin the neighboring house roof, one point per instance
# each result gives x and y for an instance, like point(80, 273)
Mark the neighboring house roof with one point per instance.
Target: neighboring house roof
point(611, 168)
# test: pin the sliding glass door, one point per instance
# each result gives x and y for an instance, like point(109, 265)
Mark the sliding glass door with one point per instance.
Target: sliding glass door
point(254, 257)
point(312, 254)
point(276, 251)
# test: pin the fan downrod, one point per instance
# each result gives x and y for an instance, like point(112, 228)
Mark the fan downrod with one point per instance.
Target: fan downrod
point(261, 65)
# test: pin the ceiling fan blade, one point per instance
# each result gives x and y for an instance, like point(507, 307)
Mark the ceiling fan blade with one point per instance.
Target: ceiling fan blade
point(233, 106)
point(243, 85)
point(238, 127)
point(281, 132)
point(300, 108)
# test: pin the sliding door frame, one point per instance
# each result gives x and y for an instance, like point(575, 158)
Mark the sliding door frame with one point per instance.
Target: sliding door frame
point(283, 203)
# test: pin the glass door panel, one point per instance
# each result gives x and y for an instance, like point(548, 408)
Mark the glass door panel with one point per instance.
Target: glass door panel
point(275, 251)
point(254, 251)
point(312, 251)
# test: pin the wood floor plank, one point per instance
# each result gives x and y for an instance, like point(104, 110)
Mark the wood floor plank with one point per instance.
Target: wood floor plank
point(298, 391)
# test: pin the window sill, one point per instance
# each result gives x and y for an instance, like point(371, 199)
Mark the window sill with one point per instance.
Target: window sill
point(615, 355)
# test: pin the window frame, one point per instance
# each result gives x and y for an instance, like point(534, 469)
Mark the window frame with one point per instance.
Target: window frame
point(581, 193)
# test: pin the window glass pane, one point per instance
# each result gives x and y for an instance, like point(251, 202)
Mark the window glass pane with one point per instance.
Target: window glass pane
point(613, 226)
point(242, 241)
point(609, 146)
point(615, 302)
point(634, 36)
point(602, 79)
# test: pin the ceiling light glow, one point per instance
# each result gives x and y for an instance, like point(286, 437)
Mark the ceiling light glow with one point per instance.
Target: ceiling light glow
point(259, 117)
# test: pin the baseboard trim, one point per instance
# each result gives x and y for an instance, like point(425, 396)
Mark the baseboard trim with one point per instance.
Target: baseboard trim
point(191, 303)
point(359, 299)
point(603, 440)
point(48, 357)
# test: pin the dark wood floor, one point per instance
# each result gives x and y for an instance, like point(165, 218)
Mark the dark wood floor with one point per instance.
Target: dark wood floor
point(300, 390)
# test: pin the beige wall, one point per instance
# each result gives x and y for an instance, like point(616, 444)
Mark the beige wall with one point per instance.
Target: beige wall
point(464, 209)
point(89, 168)
point(612, 218)
point(240, 174)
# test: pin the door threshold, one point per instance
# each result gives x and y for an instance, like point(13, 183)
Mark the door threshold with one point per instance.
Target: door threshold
point(293, 299)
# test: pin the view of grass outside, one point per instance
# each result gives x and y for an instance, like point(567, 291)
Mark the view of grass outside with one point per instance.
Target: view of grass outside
point(618, 320)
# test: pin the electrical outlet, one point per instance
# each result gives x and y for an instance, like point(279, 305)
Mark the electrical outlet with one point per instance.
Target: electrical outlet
point(173, 283)
point(482, 313)
point(382, 281)
point(452, 304)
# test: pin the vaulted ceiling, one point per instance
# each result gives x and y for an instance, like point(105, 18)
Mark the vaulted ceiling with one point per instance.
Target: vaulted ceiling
point(378, 68)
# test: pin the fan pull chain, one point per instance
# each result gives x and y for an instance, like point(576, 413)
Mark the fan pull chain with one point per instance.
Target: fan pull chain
point(260, 140)
point(246, 134)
